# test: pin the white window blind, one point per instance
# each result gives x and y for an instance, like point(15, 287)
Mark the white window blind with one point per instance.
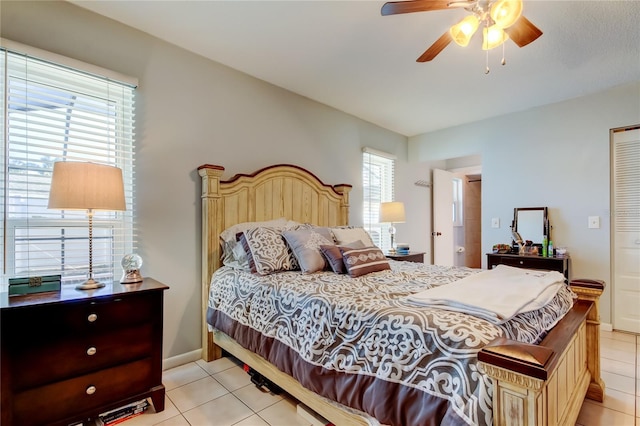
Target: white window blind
point(377, 182)
point(55, 113)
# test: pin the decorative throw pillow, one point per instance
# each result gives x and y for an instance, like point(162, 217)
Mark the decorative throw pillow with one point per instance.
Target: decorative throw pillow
point(344, 236)
point(334, 256)
point(364, 261)
point(233, 253)
point(305, 244)
point(267, 251)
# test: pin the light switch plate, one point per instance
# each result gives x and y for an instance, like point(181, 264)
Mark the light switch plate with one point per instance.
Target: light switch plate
point(594, 222)
point(495, 222)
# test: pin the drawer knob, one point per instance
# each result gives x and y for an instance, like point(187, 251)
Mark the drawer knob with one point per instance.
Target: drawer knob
point(91, 390)
point(91, 351)
point(92, 317)
point(521, 262)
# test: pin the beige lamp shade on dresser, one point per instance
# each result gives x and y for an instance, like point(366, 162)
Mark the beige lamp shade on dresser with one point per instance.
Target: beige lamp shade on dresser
point(86, 186)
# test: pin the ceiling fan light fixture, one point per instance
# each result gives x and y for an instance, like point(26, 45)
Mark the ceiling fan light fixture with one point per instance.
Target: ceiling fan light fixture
point(493, 37)
point(462, 32)
point(506, 12)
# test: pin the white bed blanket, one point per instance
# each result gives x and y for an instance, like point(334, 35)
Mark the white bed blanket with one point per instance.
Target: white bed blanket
point(496, 295)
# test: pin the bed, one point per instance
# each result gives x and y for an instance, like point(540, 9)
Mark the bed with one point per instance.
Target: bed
point(539, 383)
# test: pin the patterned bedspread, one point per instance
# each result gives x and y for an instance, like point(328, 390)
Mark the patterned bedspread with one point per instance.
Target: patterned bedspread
point(357, 341)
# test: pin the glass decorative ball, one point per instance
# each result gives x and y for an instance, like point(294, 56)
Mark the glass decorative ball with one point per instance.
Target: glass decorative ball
point(131, 262)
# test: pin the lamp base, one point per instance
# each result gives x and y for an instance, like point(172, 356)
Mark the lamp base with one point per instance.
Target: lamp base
point(89, 284)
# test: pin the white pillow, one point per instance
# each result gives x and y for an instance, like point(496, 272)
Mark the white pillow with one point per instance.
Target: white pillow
point(344, 236)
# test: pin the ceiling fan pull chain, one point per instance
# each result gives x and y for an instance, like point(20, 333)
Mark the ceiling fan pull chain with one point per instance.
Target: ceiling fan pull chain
point(504, 61)
point(486, 71)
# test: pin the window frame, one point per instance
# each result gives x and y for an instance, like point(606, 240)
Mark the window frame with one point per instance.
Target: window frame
point(372, 198)
point(116, 126)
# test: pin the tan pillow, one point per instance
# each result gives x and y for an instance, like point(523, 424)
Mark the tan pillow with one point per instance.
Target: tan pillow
point(344, 236)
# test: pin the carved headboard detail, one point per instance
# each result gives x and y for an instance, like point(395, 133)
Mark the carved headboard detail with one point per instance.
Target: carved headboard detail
point(273, 192)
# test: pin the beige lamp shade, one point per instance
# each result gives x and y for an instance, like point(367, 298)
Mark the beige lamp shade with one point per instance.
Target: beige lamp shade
point(86, 186)
point(392, 212)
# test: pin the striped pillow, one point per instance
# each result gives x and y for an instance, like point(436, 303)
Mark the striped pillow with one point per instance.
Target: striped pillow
point(364, 261)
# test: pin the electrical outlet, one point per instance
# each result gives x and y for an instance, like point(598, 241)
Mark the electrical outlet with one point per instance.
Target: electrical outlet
point(594, 222)
point(495, 222)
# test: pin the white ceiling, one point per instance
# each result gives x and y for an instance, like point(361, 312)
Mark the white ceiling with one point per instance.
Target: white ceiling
point(346, 55)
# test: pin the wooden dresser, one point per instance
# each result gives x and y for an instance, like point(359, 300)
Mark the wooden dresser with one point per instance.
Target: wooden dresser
point(552, 263)
point(68, 356)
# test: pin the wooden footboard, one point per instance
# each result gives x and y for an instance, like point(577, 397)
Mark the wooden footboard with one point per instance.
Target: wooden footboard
point(545, 385)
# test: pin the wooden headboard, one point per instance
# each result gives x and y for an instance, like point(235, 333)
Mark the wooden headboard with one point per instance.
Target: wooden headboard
point(273, 192)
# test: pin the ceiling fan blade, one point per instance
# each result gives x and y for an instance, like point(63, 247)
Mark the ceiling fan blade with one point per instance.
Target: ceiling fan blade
point(396, 7)
point(436, 48)
point(523, 32)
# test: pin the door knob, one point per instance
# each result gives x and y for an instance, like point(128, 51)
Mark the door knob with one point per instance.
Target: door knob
point(436, 234)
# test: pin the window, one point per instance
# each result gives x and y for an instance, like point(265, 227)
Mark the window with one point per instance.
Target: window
point(59, 113)
point(377, 182)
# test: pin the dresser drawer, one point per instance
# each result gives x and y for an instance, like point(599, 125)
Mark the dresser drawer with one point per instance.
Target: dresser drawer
point(75, 356)
point(57, 401)
point(95, 315)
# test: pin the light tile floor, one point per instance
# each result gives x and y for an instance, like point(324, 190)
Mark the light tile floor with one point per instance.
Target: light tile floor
point(220, 393)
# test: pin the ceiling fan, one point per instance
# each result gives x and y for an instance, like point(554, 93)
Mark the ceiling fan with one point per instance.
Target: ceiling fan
point(500, 19)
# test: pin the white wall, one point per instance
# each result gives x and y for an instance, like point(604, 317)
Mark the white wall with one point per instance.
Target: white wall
point(192, 111)
point(556, 156)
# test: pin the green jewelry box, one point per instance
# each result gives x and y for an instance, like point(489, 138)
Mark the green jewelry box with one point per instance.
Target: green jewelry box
point(28, 285)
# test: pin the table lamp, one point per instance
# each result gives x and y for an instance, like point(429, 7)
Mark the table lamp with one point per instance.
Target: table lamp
point(392, 212)
point(90, 187)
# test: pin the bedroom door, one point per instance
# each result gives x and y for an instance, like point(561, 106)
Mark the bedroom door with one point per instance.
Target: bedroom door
point(625, 232)
point(442, 234)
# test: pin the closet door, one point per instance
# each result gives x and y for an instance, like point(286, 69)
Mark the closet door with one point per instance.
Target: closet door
point(625, 206)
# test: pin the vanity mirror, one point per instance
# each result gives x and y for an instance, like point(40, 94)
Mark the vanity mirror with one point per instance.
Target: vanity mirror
point(532, 223)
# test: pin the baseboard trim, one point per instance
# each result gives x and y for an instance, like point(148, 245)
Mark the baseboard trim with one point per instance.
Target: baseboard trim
point(606, 327)
point(181, 359)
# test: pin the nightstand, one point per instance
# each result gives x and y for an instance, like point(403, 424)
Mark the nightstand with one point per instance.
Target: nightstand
point(413, 256)
point(68, 356)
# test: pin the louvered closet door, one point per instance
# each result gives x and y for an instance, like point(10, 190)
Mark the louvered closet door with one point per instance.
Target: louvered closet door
point(625, 260)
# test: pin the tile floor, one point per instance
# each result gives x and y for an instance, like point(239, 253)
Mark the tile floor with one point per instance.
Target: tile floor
point(220, 393)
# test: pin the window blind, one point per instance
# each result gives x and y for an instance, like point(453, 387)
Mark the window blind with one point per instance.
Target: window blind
point(377, 182)
point(626, 180)
point(56, 113)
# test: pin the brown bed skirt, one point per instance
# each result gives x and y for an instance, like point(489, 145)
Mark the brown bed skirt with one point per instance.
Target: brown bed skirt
point(389, 403)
